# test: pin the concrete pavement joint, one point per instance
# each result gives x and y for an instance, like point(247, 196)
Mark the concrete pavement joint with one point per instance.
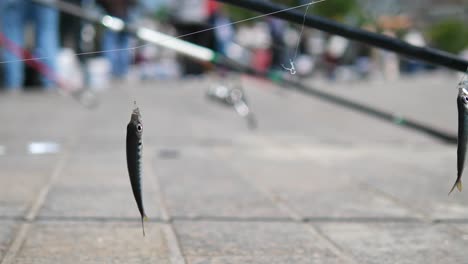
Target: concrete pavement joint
point(39, 201)
point(225, 219)
point(425, 218)
point(284, 207)
point(173, 244)
point(16, 244)
point(342, 252)
point(175, 251)
point(419, 214)
point(31, 215)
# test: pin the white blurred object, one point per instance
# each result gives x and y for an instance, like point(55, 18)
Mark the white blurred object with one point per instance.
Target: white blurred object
point(261, 36)
point(291, 37)
point(391, 67)
point(188, 11)
point(345, 74)
point(316, 44)
point(69, 70)
point(37, 148)
point(304, 64)
point(337, 46)
point(99, 70)
point(238, 53)
point(2, 150)
point(257, 36)
point(415, 38)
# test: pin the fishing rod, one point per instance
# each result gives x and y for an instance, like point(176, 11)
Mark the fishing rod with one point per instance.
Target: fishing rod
point(399, 120)
point(209, 56)
point(82, 95)
point(429, 55)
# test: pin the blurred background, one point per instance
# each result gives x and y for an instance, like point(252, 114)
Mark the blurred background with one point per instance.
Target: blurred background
point(264, 43)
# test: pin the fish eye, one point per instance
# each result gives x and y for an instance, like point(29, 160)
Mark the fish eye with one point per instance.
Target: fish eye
point(139, 127)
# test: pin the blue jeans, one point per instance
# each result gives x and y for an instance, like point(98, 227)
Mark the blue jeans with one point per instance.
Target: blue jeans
point(14, 16)
point(116, 46)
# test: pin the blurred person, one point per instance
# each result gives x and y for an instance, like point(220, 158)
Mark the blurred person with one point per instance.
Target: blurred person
point(361, 59)
point(14, 16)
point(151, 7)
point(117, 43)
point(70, 27)
point(277, 29)
point(191, 16)
point(416, 38)
point(224, 32)
point(335, 49)
point(389, 61)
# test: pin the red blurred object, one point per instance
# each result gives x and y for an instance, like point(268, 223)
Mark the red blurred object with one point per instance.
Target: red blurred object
point(212, 7)
point(261, 59)
point(31, 61)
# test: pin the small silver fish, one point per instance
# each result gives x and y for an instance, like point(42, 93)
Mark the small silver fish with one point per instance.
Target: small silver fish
point(134, 156)
point(462, 105)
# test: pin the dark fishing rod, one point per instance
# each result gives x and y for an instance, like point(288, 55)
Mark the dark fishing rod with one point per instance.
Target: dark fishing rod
point(340, 101)
point(208, 56)
point(372, 111)
point(429, 55)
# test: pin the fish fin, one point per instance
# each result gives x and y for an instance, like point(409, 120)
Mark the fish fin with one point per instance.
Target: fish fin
point(143, 219)
point(457, 184)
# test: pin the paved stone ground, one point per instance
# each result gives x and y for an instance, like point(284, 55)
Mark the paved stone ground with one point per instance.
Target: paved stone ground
point(316, 183)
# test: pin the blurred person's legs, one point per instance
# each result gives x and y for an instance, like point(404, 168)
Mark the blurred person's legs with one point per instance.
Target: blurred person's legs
point(47, 39)
point(116, 46)
point(109, 46)
point(13, 17)
point(70, 28)
point(123, 55)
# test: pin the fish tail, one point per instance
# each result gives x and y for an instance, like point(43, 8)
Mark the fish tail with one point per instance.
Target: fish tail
point(144, 218)
point(457, 184)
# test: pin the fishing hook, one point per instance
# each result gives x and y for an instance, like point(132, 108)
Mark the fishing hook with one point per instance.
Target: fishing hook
point(292, 69)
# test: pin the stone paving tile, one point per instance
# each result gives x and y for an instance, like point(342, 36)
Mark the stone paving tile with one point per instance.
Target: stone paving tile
point(83, 242)
point(21, 179)
point(97, 169)
point(298, 259)
point(250, 240)
point(313, 191)
point(324, 120)
point(98, 202)
point(403, 243)
point(7, 232)
point(92, 185)
point(403, 96)
point(202, 182)
point(461, 229)
point(422, 184)
point(39, 116)
point(206, 187)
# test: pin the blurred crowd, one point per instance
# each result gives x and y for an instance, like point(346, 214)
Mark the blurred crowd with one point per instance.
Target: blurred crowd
point(67, 46)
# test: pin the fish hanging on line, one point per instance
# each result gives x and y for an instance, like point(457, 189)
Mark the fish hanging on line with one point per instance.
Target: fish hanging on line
point(462, 105)
point(134, 156)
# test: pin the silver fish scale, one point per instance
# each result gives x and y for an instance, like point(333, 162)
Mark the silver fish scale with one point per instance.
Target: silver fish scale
point(139, 153)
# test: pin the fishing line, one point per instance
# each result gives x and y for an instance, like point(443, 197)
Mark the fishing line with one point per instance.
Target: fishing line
point(292, 68)
point(463, 78)
point(180, 36)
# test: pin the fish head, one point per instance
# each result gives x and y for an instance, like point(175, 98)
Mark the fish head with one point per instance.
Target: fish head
point(463, 95)
point(136, 122)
